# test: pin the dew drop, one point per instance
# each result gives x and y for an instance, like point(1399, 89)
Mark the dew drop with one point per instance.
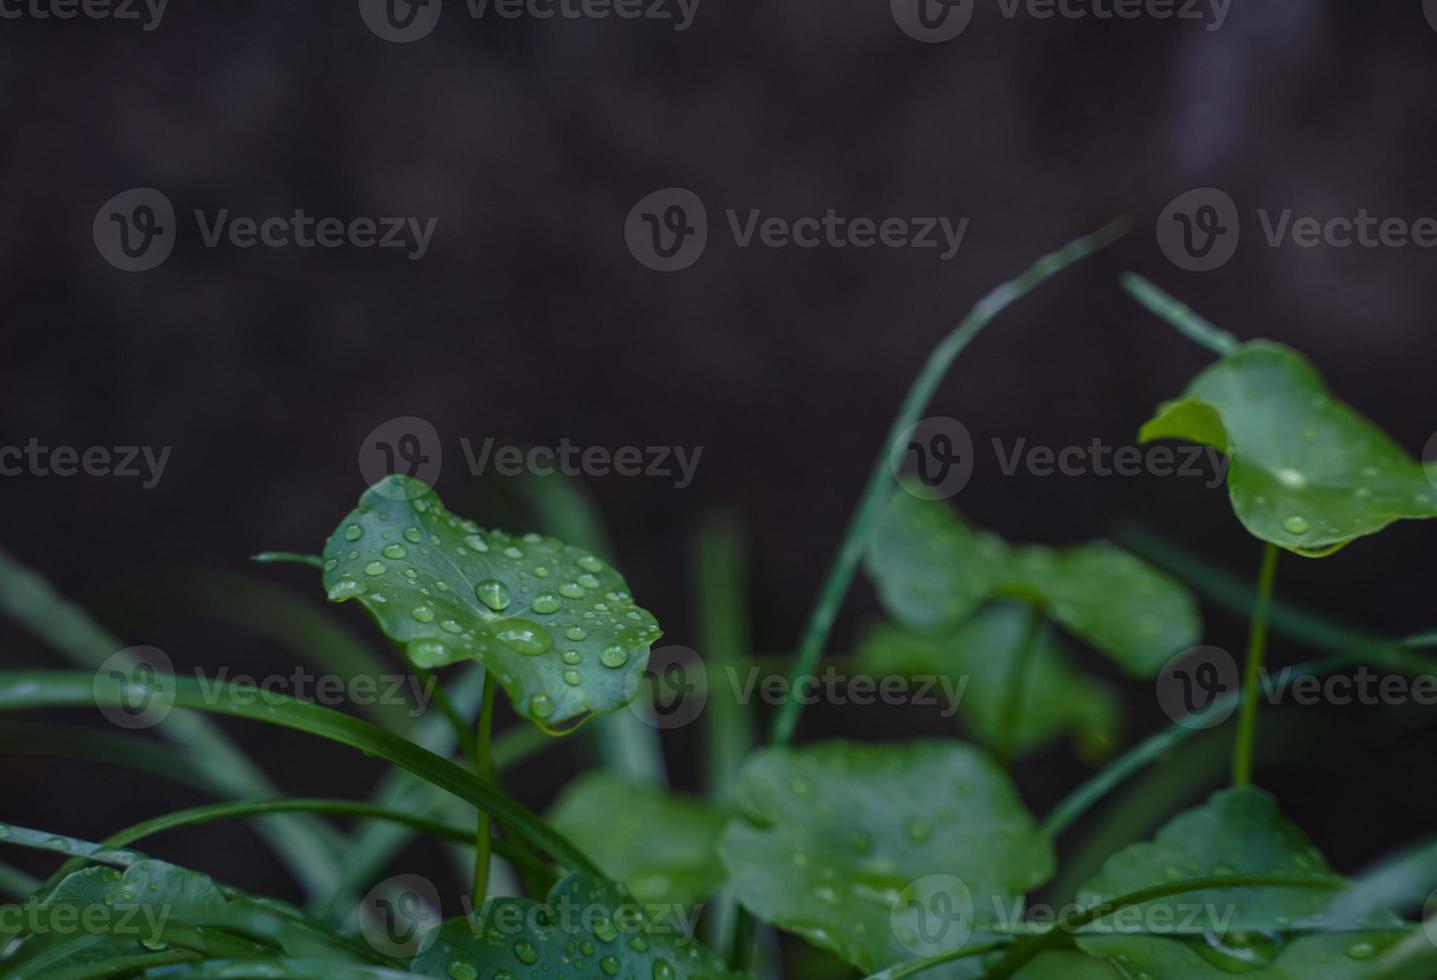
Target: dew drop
point(1296, 524)
point(524, 950)
point(576, 633)
point(493, 593)
point(614, 657)
point(545, 603)
point(571, 590)
point(374, 568)
point(610, 965)
point(353, 533)
point(525, 637)
point(475, 543)
point(572, 678)
point(422, 613)
point(395, 551)
point(413, 535)
point(463, 970)
point(541, 706)
point(588, 581)
point(571, 657)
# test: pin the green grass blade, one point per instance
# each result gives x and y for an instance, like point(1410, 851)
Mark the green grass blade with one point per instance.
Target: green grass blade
point(123, 750)
point(19, 691)
point(252, 604)
point(879, 485)
point(1179, 315)
point(301, 842)
point(16, 883)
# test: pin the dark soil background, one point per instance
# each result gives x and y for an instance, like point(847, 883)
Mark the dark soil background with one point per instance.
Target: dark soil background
point(529, 320)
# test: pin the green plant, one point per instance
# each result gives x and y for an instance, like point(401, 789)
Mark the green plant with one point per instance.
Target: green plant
point(894, 859)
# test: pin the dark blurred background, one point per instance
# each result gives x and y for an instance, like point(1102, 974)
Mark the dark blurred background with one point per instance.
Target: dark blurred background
point(529, 321)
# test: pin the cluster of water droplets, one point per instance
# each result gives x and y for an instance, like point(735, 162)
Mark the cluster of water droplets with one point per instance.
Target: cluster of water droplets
point(476, 594)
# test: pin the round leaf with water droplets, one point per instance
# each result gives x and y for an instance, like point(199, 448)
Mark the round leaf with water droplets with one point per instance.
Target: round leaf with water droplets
point(831, 836)
point(976, 660)
point(933, 571)
point(1237, 832)
point(1308, 473)
point(556, 624)
point(662, 846)
point(138, 903)
point(586, 927)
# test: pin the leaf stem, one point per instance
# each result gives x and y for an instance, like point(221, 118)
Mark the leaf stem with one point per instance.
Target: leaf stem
point(1252, 678)
point(876, 490)
point(484, 769)
point(1179, 315)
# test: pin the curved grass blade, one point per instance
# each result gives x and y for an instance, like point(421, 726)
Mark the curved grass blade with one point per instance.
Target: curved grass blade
point(19, 691)
point(301, 842)
point(255, 605)
point(122, 749)
point(16, 883)
point(875, 492)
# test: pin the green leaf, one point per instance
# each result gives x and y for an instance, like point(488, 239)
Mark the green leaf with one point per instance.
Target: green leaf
point(126, 914)
point(1336, 956)
point(1237, 832)
point(662, 846)
point(933, 571)
point(556, 624)
point(1214, 931)
point(1064, 965)
point(977, 658)
point(1308, 472)
point(586, 927)
point(832, 835)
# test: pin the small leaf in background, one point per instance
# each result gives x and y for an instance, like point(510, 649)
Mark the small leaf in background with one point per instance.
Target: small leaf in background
point(832, 836)
point(660, 845)
point(1308, 472)
point(933, 571)
point(556, 624)
point(977, 658)
point(1238, 832)
point(586, 927)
